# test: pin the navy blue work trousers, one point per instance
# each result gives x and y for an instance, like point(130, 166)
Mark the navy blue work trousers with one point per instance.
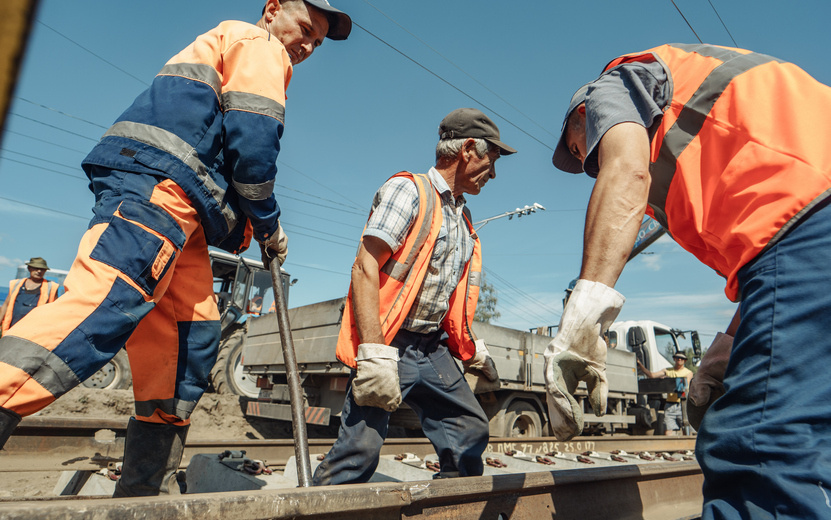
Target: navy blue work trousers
point(765, 446)
point(433, 386)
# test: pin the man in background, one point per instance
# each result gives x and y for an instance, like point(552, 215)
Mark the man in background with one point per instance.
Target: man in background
point(27, 293)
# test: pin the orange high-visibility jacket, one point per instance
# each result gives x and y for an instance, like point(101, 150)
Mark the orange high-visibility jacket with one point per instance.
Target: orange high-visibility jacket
point(401, 278)
point(742, 151)
point(48, 293)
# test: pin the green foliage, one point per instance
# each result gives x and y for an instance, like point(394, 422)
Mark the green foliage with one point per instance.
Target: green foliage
point(486, 308)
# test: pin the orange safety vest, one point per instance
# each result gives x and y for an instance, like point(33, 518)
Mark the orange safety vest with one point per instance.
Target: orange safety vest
point(740, 154)
point(48, 293)
point(401, 277)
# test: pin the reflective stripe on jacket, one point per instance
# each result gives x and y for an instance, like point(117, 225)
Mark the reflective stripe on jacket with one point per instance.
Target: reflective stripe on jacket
point(48, 293)
point(741, 152)
point(401, 277)
point(211, 121)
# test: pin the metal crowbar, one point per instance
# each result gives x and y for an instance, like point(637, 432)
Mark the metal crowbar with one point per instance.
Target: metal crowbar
point(298, 417)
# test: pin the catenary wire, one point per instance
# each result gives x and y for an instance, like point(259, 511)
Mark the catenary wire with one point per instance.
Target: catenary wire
point(451, 85)
point(685, 19)
point(723, 24)
point(448, 60)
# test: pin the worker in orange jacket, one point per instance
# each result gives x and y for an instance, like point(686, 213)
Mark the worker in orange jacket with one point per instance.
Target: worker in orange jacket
point(191, 163)
point(415, 286)
point(27, 293)
point(728, 150)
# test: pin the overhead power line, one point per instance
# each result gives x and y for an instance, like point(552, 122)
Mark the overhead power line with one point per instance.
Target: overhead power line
point(451, 85)
point(445, 58)
point(113, 65)
point(685, 19)
point(723, 24)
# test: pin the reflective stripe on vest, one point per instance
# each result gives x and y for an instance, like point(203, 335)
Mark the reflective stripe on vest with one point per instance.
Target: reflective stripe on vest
point(739, 153)
point(401, 278)
point(48, 293)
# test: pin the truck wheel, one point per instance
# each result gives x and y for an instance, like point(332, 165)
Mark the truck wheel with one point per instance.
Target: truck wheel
point(522, 420)
point(227, 375)
point(115, 375)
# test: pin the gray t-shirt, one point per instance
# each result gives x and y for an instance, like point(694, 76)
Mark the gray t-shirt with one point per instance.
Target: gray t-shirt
point(632, 92)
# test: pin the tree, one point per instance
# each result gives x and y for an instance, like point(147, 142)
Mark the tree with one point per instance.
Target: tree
point(486, 309)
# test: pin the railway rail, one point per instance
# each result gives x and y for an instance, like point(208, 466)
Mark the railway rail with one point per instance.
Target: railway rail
point(652, 490)
point(45, 444)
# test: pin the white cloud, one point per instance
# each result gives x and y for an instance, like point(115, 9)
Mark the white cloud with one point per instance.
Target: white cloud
point(651, 261)
point(10, 262)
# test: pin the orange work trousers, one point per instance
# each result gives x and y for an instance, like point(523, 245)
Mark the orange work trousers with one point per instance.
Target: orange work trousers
point(142, 277)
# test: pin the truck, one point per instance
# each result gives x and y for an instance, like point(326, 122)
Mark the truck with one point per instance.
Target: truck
point(251, 365)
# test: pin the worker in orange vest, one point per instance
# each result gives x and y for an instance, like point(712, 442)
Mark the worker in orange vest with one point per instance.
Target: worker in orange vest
point(415, 286)
point(191, 163)
point(728, 150)
point(27, 293)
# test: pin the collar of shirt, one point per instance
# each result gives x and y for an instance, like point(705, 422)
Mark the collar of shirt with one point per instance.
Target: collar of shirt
point(444, 190)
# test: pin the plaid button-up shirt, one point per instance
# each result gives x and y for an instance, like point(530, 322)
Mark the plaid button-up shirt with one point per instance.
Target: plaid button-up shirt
point(394, 211)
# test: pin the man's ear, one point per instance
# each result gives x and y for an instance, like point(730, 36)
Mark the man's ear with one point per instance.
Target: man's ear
point(468, 148)
point(581, 109)
point(272, 7)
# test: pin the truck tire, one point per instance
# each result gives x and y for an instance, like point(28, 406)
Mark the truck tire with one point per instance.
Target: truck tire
point(115, 375)
point(227, 376)
point(522, 420)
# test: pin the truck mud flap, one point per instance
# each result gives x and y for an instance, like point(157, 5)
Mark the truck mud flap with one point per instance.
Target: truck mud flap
point(313, 414)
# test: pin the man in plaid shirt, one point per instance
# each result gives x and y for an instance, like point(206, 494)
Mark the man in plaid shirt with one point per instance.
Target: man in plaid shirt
point(417, 366)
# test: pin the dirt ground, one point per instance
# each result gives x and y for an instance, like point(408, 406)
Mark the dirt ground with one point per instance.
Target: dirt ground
point(216, 417)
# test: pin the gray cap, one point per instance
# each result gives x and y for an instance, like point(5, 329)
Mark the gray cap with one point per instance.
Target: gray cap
point(470, 122)
point(340, 24)
point(563, 159)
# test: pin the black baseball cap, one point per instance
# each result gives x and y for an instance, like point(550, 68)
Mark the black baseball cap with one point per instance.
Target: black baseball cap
point(340, 24)
point(470, 122)
point(680, 355)
point(563, 159)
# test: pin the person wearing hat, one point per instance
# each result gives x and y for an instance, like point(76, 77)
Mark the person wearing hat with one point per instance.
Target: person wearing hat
point(27, 293)
point(190, 164)
point(414, 290)
point(728, 150)
point(673, 416)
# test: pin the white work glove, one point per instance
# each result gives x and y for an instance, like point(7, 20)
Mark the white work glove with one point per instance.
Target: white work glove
point(578, 353)
point(482, 362)
point(275, 246)
point(480, 370)
point(708, 383)
point(376, 383)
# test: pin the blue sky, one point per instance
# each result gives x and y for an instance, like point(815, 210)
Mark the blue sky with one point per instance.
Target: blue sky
point(361, 110)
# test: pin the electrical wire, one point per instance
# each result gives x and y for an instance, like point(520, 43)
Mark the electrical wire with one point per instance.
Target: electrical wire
point(445, 58)
point(723, 24)
point(113, 65)
point(451, 85)
point(685, 19)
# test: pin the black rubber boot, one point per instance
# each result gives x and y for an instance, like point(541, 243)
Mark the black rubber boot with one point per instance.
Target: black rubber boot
point(8, 422)
point(152, 453)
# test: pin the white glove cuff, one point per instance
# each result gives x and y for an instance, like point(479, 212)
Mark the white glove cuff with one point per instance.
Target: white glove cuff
point(481, 347)
point(376, 351)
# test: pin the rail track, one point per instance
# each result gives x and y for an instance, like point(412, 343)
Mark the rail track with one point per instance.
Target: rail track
point(651, 490)
point(45, 444)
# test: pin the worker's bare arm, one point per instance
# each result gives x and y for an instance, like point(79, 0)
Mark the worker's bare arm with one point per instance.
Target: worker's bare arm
point(618, 202)
point(372, 254)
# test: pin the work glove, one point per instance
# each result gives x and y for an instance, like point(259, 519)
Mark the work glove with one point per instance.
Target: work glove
point(376, 383)
point(480, 370)
point(275, 246)
point(707, 384)
point(578, 353)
